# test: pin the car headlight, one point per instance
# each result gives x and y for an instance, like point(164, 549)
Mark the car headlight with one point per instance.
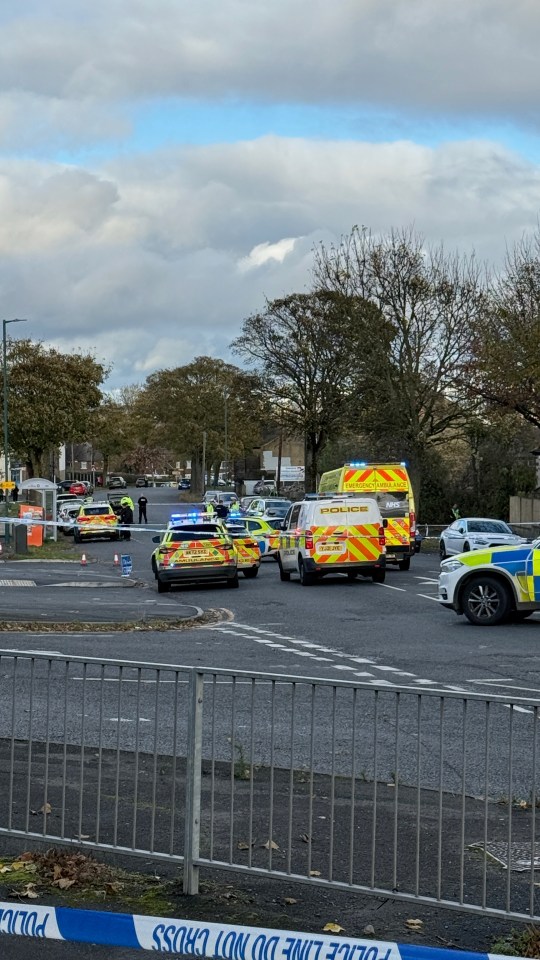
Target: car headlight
point(449, 566)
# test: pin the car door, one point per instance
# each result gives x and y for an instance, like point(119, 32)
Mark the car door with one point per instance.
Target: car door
point(532, 569)
point(288, 548)
point(455, 537)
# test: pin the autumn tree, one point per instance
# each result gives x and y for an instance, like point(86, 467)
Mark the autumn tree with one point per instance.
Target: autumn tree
point(432, 302)
point(52, 396)
point(178, 406)
point(505, 367)
point(314, 352)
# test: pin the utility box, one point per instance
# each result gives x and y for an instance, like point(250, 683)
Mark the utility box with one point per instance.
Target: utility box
point(20, 537)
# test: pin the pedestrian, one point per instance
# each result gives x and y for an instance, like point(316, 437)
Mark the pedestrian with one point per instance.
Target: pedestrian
point(126, 519)
point(142, 503)
point(15, 494)
point(221, 510)
point(456, 512)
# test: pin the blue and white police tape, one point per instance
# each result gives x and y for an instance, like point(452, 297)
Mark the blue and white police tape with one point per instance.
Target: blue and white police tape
point(210, 940)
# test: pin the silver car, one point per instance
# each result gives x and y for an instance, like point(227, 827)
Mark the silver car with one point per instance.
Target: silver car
point(476, 533)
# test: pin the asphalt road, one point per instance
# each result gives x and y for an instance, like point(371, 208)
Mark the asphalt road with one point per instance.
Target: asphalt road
point(383, 637)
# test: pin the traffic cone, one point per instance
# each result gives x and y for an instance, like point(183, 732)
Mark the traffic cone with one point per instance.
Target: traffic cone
point(83, 560)
point(116, 561)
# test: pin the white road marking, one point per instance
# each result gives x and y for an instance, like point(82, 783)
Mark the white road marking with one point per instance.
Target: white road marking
point(431, 683)
point(389, 587)
point(128, 720)
point(427, 597)
point(427, 579)
point(489, 679)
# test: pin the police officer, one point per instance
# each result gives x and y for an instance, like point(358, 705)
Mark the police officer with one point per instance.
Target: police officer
point(126, 517)
point(142, 503)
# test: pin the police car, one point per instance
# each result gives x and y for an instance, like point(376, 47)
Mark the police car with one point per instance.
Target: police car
point(492, 586)
point(96, 521)
point(194, 550)
point(248, 554)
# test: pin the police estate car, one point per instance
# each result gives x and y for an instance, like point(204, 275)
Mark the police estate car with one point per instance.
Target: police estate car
point(491, 586)
point(194, 551)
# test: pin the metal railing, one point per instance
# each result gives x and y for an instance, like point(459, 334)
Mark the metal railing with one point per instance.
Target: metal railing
point(427, 795)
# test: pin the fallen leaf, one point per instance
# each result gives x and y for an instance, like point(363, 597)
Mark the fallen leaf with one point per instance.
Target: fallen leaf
point(63, 883)
point(19, 865)
point(242, 845)
point(57, 871)
point(369, 930)
point(115, 886)
point(5, 869)
point(414, 924)
point(314, 873)
point(29, 891)
point(83, 836)
point(290, 900)
point(270, 845)
point(333, 928)
point(305, 837)
point(46, 808)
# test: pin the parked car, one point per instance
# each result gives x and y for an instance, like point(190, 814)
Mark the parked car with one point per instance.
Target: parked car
point(184, 484)
point(476, 533)
point(219, 496)
point(141, 482)
point(67, 517)
point(269, 507)
point(116, 483)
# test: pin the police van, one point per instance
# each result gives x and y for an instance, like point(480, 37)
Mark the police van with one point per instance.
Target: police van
point(340, 534)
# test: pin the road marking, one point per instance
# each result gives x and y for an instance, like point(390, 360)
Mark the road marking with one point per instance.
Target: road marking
point(427, 579)
point(18, 583)
point(389, 587)
point(427, 597)
point(129, 720)
point(489, 679)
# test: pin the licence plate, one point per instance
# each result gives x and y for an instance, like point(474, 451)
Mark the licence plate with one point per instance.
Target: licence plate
point(198, 553)
point(331, 547)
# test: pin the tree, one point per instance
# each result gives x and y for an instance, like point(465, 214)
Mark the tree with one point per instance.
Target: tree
point(51, 399)
point(112, 430)
point(431, 302)
point(177, 406)
point(314, 351)
point(505, 368)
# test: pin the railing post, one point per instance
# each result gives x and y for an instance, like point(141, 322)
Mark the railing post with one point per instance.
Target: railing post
point(193, 783)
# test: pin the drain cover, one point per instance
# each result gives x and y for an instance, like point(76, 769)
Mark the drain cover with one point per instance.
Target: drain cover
point(17, 583)
point(522, 855)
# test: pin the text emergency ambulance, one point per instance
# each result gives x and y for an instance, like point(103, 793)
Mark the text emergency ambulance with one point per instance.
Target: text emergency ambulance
point(332, 535)
point(390, 486)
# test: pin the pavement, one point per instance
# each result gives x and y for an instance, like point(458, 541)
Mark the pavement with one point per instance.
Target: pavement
point(377, 635)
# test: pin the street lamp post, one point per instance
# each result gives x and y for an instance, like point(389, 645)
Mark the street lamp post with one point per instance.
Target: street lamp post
point(226, 397)
point(6, 428)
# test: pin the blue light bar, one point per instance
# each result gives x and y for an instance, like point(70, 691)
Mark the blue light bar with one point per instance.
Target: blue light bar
point(357, 463)
point(403, 463)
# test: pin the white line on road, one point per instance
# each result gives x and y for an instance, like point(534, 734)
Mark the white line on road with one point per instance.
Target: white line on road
point(427, 579)
point(389, 587)
point(427, 597)
point(490, 679)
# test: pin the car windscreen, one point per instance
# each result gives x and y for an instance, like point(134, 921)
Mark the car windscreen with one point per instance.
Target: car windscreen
point(237, 530)
point(96, 511)
point(487, 526)
point(198, 531)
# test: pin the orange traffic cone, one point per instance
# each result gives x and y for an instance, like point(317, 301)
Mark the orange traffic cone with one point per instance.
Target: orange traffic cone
point(116, 561)
point(83, 560)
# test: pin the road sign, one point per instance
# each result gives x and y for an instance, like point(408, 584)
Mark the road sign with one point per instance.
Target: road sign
point(127, 564)
point(292, 474)
point(7, 485)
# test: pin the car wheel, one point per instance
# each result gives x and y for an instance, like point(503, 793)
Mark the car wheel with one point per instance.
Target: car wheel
point(405, 564)
point(379, 575)
point(442, 550)
point(485, 601)
point(234, 583)
point(251, 573)
point(163, 586)
point(284, 575)
point(306, 579)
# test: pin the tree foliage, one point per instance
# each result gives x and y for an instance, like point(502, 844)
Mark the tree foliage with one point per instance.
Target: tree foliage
point(314, 351)
point(431, 302)
point(177, 406)
point(505, 367)
point(51, 398)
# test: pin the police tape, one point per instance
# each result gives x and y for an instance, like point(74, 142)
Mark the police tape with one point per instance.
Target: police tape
point(209, 940)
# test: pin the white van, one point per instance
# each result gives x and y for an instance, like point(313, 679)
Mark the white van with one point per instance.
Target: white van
point(333, 535)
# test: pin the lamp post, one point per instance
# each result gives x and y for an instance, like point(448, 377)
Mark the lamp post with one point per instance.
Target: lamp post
point(225, 398)
point(6, 430)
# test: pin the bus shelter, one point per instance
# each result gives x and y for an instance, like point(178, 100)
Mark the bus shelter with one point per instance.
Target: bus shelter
point(41, 493)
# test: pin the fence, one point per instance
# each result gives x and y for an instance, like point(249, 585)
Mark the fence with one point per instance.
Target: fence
point(422, 796)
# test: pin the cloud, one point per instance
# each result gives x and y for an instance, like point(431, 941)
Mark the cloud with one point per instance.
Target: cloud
point(433, 56)
point(151, 260)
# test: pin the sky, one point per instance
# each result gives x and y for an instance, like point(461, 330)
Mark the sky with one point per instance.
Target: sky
point(166, 165)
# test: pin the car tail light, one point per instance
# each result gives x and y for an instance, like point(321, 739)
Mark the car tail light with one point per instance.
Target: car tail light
point(382, 539)
point(412, 521)
point(250, 543)
point(309, 541)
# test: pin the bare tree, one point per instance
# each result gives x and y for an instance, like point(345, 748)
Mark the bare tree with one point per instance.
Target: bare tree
point(432, 301)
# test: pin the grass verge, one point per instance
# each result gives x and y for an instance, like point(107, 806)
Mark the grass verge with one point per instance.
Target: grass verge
point(124, 626)
point(519, 943)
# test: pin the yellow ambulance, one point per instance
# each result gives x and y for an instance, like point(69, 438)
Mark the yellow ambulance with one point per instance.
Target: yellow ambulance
point(390, 486)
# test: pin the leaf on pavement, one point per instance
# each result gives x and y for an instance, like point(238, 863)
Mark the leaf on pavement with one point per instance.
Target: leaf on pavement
point(333, 928)
point(63, 883)
point(242, 845)
point(305, 837)
point(46, 808)
point(29, 892)
point(414, 924)
point(5, 869)
point(290, 900)
point(19, 865)
point(314, 873)
point(270, 845)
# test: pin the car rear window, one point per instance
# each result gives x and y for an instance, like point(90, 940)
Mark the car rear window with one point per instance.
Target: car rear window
point(96, 511)
point(238, 530)
point(199, 531)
